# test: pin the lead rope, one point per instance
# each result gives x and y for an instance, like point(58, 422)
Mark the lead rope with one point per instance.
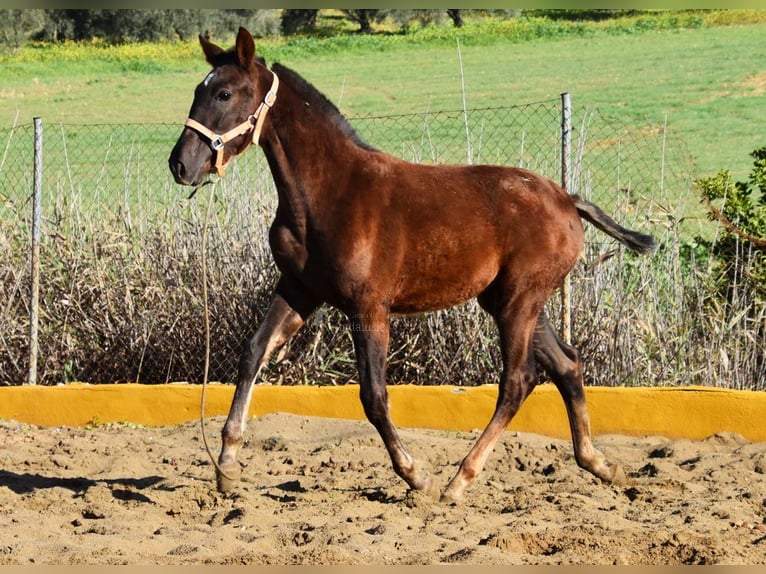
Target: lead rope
point(206, 313)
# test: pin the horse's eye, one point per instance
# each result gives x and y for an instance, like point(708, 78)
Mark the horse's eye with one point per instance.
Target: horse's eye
point(223, 96)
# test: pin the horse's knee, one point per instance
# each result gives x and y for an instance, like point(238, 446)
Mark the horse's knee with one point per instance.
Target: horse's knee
point(515, 388)
point(250, 358)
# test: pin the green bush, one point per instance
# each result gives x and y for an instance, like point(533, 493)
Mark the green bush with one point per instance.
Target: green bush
point(739, 254)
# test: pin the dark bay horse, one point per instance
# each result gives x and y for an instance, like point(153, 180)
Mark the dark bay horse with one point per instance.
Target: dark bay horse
point(372, 235)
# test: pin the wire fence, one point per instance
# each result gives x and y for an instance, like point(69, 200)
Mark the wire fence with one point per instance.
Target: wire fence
point(120, 295)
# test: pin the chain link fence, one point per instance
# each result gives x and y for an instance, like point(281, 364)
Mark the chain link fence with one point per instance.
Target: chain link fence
point(120, 286)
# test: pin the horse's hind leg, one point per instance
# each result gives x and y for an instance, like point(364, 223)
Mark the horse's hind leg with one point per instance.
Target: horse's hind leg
point(370, 332)
point(515, 321)
point(288, 310)
point(563, 365)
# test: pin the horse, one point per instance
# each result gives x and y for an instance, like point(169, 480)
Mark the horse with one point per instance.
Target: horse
point(374, 235)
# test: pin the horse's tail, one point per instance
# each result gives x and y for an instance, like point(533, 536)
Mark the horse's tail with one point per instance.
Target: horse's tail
point(638, 242)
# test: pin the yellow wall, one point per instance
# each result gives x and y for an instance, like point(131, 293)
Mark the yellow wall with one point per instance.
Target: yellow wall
point(686, 412)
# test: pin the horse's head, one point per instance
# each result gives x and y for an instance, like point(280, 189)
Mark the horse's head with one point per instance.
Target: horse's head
point(227, 112)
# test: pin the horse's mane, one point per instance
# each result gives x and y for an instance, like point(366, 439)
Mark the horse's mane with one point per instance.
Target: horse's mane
point(319, 102)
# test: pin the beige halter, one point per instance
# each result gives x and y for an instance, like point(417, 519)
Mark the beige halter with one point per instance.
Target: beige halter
point(253, 122)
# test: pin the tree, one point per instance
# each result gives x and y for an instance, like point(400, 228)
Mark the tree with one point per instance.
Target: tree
point(404, 18)
point(457, 18)
point(363, 17)
point(295, 21)
point(16, 26)
point(116, 26)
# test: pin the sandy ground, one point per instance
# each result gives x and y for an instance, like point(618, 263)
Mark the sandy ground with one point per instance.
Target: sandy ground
point(321, 491)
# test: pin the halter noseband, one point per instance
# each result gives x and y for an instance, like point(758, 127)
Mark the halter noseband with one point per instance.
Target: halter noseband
point(253, 122)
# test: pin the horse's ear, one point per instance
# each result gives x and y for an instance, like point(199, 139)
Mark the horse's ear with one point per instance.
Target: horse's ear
point(245, 48)
point(210, 49)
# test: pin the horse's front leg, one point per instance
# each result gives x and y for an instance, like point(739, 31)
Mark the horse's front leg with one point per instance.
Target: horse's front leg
point(370, 332)
point(287, 312)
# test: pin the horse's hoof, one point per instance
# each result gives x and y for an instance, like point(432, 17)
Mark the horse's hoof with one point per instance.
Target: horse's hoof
point(618, 475)
point(227, 477)
point(451, 496)
point(447, 498)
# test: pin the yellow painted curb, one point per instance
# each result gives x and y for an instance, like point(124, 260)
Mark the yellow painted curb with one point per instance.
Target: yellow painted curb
point(685, 412)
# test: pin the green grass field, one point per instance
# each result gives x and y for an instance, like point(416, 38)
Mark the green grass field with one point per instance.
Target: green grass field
point(709, 81)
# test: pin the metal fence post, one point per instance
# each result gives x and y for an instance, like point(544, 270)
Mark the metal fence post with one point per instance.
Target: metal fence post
point(36, 218)
point(566, 150)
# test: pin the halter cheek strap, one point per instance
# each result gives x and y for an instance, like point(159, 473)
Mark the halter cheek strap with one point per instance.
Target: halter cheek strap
point(253, 122)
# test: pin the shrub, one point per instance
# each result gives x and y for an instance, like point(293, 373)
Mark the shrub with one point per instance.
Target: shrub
point(739, 256)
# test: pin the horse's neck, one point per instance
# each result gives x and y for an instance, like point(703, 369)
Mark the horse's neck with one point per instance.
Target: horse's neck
point(299, 161)
point(293, 205)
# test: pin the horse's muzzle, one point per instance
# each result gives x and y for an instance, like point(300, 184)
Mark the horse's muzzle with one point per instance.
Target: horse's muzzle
point(178, 170)
point(184, 166)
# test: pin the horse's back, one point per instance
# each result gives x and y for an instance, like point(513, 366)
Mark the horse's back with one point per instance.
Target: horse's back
point(512, 208)
point(450, 231)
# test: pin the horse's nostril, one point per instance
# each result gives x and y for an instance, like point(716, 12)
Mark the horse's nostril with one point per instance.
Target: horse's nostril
point(179, 170)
